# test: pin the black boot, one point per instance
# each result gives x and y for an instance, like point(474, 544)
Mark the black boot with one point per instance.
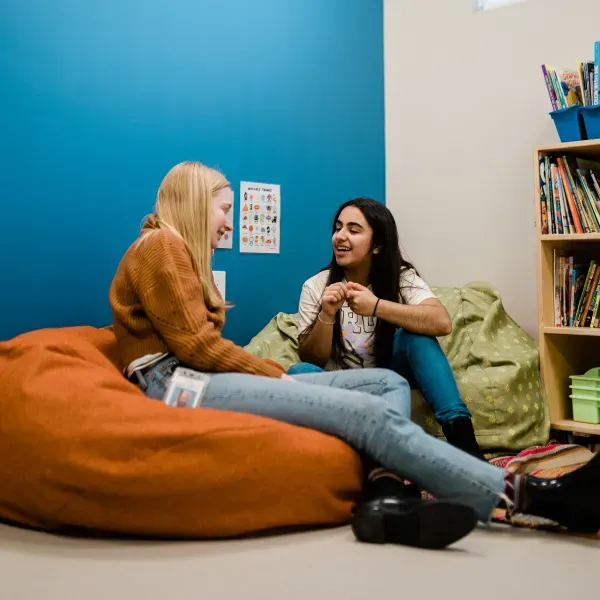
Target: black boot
point(461, 435)
point(432, 524)
point(392, 511)
point(572, 500)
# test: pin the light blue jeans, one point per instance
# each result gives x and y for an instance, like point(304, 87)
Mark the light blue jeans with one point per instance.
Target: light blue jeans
point(367, 408)
point(421, 360)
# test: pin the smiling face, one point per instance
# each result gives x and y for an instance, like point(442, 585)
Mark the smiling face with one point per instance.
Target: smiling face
point(352, 239)
point(221, 217)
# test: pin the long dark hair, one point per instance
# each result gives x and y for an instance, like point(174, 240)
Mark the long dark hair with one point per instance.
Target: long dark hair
point(384, 276)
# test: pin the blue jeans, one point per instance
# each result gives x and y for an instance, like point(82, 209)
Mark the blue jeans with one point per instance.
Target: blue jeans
point(367, 408)
point(421, 360)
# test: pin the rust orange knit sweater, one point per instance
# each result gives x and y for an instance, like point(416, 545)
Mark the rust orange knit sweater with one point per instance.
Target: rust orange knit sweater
point(157, 304)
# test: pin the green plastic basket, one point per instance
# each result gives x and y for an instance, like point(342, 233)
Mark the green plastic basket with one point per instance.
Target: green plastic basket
point(588, 381)
point(585, 410)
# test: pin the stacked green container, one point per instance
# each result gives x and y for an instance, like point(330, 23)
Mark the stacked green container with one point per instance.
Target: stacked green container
point(585, 395)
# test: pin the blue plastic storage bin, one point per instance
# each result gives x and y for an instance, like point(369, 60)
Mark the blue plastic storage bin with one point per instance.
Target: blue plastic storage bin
point(591, 119)
point(569, 124)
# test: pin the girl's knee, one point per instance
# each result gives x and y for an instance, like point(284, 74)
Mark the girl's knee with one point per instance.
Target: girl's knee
point(410, 336)
point(394, 380)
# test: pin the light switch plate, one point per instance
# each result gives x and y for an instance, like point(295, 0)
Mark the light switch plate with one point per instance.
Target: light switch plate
point(219, 277)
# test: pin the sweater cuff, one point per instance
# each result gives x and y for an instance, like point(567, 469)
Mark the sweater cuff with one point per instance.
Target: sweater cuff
point(274, 369)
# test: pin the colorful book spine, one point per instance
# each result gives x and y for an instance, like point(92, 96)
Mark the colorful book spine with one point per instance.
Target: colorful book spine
point(593, 191)
point(550, 89)
point(570, 197)
point(580, 70)
point(594, 307)
point(543, 175)
point(561, 291)
point(564, 207)
point(597, 73)
point(586, 315)
point(587, 100)
point(581, 207)
point(547, 179)
point(589, 198)
point(587, 220)
point(568, 280)
point(589, 216)
point(556, 289)
point(584, 292)
point(554, 193)
point(596, 319)
point(558, 212)
point(544, 214)
point(546, 184)
point(596, 322)
point(564, 288)
point(577, 282)
point(562, 99)
point(596, 179)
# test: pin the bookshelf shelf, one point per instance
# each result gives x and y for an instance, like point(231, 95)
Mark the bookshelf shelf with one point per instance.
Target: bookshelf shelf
point(576, 427)
point(564, 351)
point(574, 237)
point(572, 331)
point(585, 148)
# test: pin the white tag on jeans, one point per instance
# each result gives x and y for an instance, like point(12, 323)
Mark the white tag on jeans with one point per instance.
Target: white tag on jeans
point(186, 388)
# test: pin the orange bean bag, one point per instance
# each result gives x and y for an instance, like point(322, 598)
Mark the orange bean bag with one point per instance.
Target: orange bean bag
point(82, 447)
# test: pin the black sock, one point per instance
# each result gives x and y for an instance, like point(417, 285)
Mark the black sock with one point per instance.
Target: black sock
point(381, 482)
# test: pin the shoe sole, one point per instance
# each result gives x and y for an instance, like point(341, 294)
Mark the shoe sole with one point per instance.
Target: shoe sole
point(431, 525)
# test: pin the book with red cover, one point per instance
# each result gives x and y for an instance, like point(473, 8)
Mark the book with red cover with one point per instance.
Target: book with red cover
point(570, 197)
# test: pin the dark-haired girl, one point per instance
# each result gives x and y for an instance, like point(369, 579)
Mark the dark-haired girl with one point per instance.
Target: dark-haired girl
point(370, 308)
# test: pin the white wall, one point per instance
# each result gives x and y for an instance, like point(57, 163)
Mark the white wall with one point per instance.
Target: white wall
point(465, 105)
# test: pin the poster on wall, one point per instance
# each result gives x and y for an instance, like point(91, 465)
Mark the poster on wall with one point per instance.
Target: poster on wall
point(260, 217)
point(226, 242)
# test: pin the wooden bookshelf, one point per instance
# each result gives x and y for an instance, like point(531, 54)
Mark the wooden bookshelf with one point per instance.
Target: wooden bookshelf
point(564, 351)
point(571, 331)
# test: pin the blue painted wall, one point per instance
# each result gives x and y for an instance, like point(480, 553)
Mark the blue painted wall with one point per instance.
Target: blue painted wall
point(100, 98)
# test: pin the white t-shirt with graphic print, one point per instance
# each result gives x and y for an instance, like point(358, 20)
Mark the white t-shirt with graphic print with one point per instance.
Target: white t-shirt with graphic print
point(357, 331)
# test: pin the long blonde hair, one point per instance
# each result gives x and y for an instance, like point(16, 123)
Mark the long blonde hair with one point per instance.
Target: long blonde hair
point(183, 205)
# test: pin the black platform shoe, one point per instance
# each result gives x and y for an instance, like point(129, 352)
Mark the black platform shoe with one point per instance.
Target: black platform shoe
point(461, 435)
point(572, 500)
point(431, 524)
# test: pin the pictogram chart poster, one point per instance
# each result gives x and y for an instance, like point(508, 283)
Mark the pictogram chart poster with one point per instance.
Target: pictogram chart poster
point(260, 217)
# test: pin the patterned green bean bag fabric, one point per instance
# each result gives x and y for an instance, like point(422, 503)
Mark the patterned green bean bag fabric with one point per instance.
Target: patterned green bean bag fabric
point(495, 363)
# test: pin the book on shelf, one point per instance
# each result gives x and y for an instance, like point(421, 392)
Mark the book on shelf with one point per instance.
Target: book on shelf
point(578, 273)
point(568, 87)
point(596, 72)
point(569, 195)
point(576, 291)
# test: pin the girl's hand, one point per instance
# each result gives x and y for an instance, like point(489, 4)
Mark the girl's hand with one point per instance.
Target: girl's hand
point(333, 298)
point(287, 377)
point(361, 300)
